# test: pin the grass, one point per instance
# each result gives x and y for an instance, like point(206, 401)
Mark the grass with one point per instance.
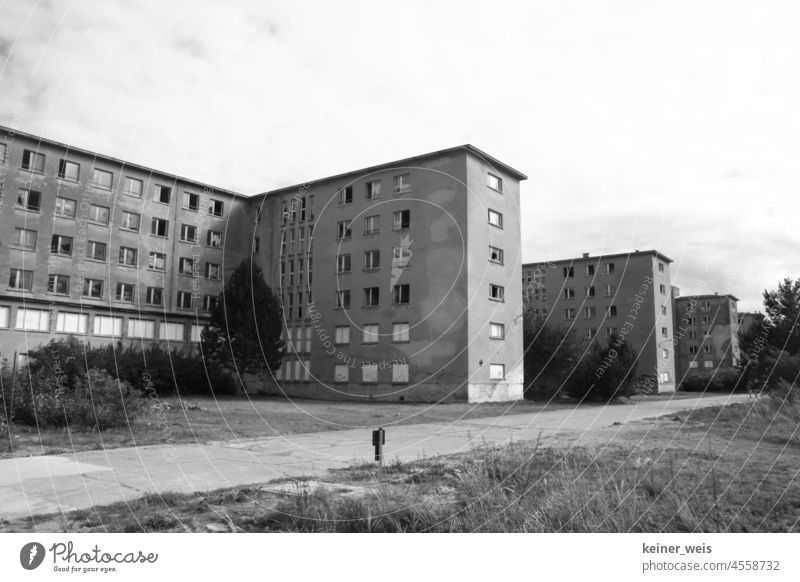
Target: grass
point(724, 469)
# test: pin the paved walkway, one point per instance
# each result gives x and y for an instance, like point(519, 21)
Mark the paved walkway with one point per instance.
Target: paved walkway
point(60, 483)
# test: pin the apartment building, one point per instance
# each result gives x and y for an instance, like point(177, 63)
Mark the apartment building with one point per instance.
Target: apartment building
point(399, 281)
point(107, 250)
point(706, 333)
point(595, 297)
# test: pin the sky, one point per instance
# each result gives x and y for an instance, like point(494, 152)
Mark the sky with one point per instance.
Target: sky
point(641, 124)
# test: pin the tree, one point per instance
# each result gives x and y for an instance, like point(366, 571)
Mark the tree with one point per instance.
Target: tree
point(244, 334)
point(550, 356)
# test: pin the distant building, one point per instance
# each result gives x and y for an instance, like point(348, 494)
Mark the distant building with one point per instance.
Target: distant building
point(706, 333)
point(594, 297)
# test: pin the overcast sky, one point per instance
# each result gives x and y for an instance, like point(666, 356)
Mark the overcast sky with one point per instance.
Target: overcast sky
point(641, 124)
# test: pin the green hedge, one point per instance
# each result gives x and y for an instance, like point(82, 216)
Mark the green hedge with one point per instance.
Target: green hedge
point(724, 380)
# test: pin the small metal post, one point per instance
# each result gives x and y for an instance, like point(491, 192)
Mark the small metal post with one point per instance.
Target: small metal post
point(378, 440)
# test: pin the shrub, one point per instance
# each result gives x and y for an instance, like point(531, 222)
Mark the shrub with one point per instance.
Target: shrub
point(96, 401)
point(606, 372)
point(724, 380)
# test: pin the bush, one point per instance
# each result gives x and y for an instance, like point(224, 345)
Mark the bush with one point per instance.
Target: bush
point(605, 373)
point(95, 401)
point(725, 380)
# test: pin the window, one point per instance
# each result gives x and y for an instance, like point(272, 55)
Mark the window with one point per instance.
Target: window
point(342, 335)
point(497, 371)
point(58, 284)
point(609, 268)
point(185, 266)
point(93, 288)
point(96, 251)
point(588, 270)
point(343, 229)
point(569, 293)
point(99, 214)
point(401, 294)
point(705, 320)
point(372, 224)
point(127, 256)
point(159, 227)
point(495, 218)
point(191, 201)
point(371, 333)
point(663, 377)
point(341, 373)
point(3, 158)
point(664, 332)
point(130, 221)
point(496, 255)
point(692, 364)
point(33, 161)
point(33, 319)
point(101, 179)
point(708, 364)
point(400, 332)
point(141, 328)
point(494, 182)
point(125, 292)
point(216, 208)
point(402, 184)
point(372, 259)
point(589, 312)
point(132, 187)
point(72, 322)
point(163, 194)
point(184, 300)
point(569, 313)
point(20, 279)
point(65, 207)
point(29, 200)
point(369, 373)
point(400, 257)
point(209, 302)
point(157, 261)
point(692, 335)
point(343, 299)
point(214, 239)
point(401, 219)
point(212, 271)
point(346, 195)
point(609, 290)
point(343, 263)
point(611, 331)
point(308, 338)
point(706, 304)
point(25, 239)
point(155, 296)
point(663, 310)
point(611, 311)
point(660, 267)
point(188, 233)
point(690, 321)
point(371, 296)
point(497, 331)
point(692, 349)
point(589, 291)
point(68, 170)
point(171, 331)
point(662, 289)
point(400, 373)
point(496, 292)
point(569, 272)
point(107, 325)
point(589, 333)
point(706, 349)
point(665, 354)
point(372, 190)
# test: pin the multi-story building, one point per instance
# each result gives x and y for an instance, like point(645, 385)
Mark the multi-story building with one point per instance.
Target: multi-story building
point(595, 297)
point(706, 333)
point(400, 281)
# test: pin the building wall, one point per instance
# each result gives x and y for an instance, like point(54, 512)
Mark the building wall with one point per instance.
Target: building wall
point(86, 232)
point(706, 333)
point(639, 289)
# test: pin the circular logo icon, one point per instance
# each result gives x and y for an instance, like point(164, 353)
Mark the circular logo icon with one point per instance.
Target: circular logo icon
point(31, 555)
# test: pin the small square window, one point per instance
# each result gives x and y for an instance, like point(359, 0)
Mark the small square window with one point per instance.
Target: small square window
point(496, 292)
point(25, 239)
point(191, 201)
point(495, 218)
point(369, 373)
point(341, 373)
point(93, 288)
point(496, 255)
point(130, 221)
point(400, 373)
point(65, 207)
point(609, 268)
point(188, 233)
point(159, 227)
point(402, 184)
point(127, 256)
point(343, 299)
point(102, 179)
point(29, 200)
point(569, 272)
point(184, 300)
point(125, 292)
point(372, 260)
point(20, 279)
point(372, 225)
point(155, 296)
point(216, 208)
point(346, 195)
point(371, 296)
point(133, 187)
point(33, 161)
point(400, 332)
point(373, 190)
point(163, 194)
point(186, 266)
point(401, 294)
point(69, 171)
point(58, 284)
point(497, 331)
point(214, 239)
point(342, 263)
point(497, 371)
point(371, 333)
point(61, 245)
point(342, 335)
point(495, 182)
point(209, 302)
point(99, 214)
point(343, 229)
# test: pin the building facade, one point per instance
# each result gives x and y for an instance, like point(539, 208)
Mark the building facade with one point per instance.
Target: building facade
point(398, 282)
point(706, 333)
point(595, 297)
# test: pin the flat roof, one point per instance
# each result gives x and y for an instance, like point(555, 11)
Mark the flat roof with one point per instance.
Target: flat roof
point(707, 295)
point(148, 169)
point(404, 162)
point(605, 256)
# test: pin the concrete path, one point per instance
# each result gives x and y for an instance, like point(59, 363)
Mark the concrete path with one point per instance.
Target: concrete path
point(61, 483)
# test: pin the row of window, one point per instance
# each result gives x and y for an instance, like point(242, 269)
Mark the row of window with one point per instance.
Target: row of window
point(401, 295)
point(590, 312)
point(693, 349)
point(104, 180)
point(301, 208)
point(288, 275)
point(706, 364)
point(705, 320)
point(102, 325)
point(288, 239)
point(401, 184)
point(589, 270)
